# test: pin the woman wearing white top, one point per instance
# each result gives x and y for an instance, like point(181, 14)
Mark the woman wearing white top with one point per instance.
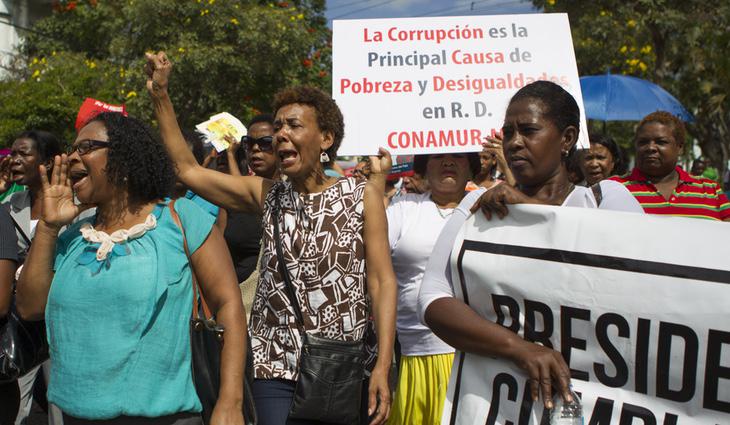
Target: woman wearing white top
point(414, 223)
point(540, 128)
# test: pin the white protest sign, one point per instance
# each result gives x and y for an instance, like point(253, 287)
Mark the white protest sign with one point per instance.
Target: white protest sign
point(429, 85)
point(637, 305)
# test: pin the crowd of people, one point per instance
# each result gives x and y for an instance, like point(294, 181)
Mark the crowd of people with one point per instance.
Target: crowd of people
point(106, 238)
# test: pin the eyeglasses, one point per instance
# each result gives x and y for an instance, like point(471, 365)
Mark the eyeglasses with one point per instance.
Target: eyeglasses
point(265, 143)
point(85, 146)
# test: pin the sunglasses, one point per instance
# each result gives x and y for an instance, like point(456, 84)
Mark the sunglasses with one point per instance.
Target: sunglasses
point(85, 146)
point(263, 142)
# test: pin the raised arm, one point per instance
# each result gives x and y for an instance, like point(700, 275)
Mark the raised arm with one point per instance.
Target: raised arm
point(58, 210)
point(230, 192)
point(382, 287)
point(380, 166)
point(233, 168)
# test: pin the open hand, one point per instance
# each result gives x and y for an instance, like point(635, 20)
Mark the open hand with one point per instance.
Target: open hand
point(157, 69)
point(58, 207)
point(5, 175)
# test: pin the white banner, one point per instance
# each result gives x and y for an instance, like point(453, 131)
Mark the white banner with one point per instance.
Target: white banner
point(442, 84)
point(636, 304)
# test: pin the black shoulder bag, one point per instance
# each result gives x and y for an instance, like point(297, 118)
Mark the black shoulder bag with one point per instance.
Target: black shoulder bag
point(23, 346)
point(23, 343)
point(331, 372)
point(206, 341)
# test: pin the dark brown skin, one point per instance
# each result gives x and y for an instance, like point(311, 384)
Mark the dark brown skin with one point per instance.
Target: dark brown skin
point(657, 153)
point(261, 158)
point(23, 164)
point(534, 149)
point(597, 164)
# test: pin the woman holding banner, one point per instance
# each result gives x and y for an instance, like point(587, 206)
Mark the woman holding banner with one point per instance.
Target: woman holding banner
point(540, 129)
point(414, 223)
point(333, 271)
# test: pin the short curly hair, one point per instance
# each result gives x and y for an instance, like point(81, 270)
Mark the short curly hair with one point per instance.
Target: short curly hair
point(329, 116)
point(668, 119)
point(137, 160)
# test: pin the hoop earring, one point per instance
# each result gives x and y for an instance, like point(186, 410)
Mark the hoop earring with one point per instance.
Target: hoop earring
point(323, 157)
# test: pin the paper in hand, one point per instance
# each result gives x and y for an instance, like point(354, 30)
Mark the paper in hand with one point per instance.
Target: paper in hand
point(218, 127)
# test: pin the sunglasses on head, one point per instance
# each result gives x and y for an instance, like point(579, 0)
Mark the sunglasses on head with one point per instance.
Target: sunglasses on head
point(263, 142)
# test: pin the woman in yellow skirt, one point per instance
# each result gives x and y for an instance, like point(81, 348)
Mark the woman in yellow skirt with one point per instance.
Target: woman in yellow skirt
point(414, 223)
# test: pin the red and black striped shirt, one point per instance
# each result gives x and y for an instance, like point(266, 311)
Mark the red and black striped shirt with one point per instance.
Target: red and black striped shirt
point(693, 197)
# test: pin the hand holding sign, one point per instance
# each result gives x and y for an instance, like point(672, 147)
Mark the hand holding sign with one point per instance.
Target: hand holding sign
point(546, 369)
point(381, 163)
point(496, 200)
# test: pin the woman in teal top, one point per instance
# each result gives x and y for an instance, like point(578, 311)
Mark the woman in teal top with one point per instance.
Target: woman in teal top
point(116, 290)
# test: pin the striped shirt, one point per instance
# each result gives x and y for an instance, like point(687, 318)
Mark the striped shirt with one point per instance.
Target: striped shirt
point(695, 197)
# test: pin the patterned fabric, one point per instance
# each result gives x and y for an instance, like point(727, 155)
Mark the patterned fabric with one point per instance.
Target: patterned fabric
point(695, 197)
point(322, 241)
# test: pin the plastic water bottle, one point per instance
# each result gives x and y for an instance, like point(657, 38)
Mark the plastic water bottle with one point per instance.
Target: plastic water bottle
point(564, 413)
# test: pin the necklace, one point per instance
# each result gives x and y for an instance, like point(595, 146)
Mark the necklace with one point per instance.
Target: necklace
point(120, 236)
point(438, 208)
point(442, 214)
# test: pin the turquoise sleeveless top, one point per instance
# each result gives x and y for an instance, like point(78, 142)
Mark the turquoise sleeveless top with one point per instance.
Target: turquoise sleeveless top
point(118, 329)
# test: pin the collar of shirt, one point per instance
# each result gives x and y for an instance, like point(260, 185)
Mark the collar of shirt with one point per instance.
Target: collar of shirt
point(684, 177)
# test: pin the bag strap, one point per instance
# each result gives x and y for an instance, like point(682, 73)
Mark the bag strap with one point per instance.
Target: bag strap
point(597, 193)
point(20, 230)
point(281, 261)
point(196, 287)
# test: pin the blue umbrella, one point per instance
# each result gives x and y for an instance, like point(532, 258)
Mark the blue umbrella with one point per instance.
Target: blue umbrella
point(613, 97)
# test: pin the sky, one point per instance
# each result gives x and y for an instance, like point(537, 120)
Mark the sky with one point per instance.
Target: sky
point(368, 9)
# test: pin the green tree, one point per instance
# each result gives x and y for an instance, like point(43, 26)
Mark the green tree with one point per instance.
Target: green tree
point(680, 45)
point(228, 55)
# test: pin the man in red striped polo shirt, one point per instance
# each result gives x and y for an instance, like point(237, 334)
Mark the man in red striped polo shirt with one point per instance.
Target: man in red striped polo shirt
point(662, 187)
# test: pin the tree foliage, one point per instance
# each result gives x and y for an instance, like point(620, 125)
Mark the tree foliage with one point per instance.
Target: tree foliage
point(680, 45)
point(228, 56)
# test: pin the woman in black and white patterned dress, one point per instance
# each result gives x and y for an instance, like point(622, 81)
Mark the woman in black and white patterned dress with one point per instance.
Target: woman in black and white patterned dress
point(334, 239)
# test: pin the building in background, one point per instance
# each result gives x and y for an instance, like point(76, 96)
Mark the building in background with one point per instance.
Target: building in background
point(15, 15)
